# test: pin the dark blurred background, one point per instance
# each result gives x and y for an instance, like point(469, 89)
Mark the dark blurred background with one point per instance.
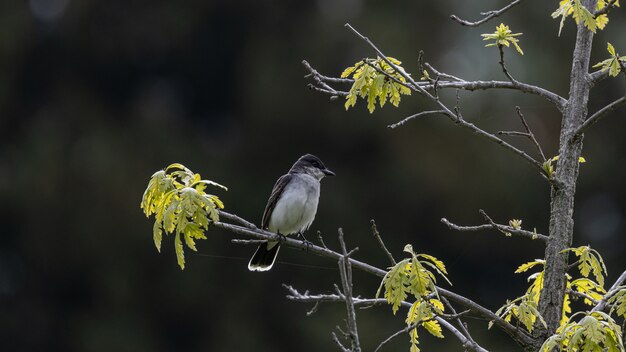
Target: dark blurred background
point(95, 96)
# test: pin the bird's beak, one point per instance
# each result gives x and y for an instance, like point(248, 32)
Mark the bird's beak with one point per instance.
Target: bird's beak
point(328, 172)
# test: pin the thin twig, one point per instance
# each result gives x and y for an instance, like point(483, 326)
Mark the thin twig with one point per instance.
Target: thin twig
point(237, 219)
point(530, 133)
point(319, 237)
point(498, 227)
point(338, 343)
point(317, 77)
point(458, 319)
point(503, 65)
point(582, 295)
point(443, 74)
point(505, 229)
point(518, 335)
point(379, 70)
point(487, 15)
point(553, 98)
point(247, 242)
point(600, 114)
point(379, 239)
point(334, 94)
point(407, 119)
point(345, 271)
point(453, 116)
point(396, 334)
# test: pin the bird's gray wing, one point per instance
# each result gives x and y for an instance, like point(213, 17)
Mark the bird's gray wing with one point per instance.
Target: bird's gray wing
point(271, 203)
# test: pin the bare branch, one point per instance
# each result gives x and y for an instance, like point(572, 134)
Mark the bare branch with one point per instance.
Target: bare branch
point(456, 82)
point(338, 343)
point(487, 15)
point(530, 133)
point(247, 242)
point(295, 295)
point(465, 341)
point(396, 334)
point(334, 94)
point(318, 78)
point(319, 237)
point(598, 76)
point(456, 117)
point(407, 119)
point(462, 327)
point(345, 271)
point(379, 239)
point(237, 219)
point(505, 229)
point(518, 335)
point(600, 114)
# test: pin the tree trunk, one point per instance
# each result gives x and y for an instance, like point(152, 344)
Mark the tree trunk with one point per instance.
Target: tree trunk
point(562, 195)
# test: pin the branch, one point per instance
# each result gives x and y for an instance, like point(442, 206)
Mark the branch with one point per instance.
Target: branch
point(602, 304)
point(505, 229)
point(611, 4)
point(379, 239)
point(487, 15)
point(518, 335)
point(455, 82)
point(469, 341)
point(237, 219)
point(503, 65)
point(452, 115)
point(345, 271)
point(407, 119)
point(598, 76)
point(320, 80)
point(295, 295)
point(529, 134)
point(581, 295)
point(600, 114)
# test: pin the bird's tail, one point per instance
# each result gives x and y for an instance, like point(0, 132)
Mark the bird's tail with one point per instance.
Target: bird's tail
point(264, 257)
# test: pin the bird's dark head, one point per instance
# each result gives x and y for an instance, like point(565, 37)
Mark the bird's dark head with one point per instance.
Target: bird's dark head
point(312, 165)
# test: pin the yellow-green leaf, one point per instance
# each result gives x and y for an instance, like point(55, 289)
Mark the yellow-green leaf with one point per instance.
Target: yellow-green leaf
point(433, 327)
point(524, 267)
point(180, 254)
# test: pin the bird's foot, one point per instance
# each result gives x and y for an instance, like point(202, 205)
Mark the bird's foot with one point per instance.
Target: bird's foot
point(306, 242)
point(281, 237)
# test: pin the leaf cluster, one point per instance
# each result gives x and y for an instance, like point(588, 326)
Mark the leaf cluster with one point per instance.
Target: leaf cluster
point(618, 302)
point(177, 198)
point(614, 64)
point(589, 261)
point(375, 78)
point(596, 331)
point(503, 36)
point(579, 12)
point(412, 277)
point(524, 308)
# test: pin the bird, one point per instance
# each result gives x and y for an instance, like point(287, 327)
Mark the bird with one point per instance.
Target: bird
point(291, 207)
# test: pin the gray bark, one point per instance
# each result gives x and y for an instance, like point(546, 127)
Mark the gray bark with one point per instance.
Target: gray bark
point(562, 195)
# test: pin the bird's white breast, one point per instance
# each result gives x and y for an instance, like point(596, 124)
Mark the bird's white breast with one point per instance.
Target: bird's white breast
point(295, 209)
